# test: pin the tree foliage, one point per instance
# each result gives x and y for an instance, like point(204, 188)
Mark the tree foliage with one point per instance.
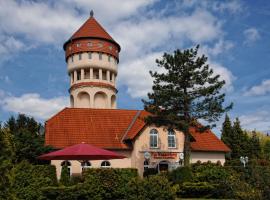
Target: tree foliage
point(184, 91)
point(25, 139)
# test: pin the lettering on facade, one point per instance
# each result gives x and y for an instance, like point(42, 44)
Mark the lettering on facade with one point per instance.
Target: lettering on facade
point(164, 155)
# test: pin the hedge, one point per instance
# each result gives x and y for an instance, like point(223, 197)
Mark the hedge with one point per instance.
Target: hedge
point(27, 180)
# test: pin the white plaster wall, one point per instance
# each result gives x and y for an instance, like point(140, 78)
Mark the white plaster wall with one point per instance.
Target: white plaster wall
point(85, 62)
point(214, 157)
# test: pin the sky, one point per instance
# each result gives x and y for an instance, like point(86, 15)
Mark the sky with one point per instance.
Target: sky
point(234, 35)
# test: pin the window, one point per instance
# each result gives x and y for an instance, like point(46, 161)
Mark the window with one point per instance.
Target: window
point(89, 55)
point(100, 56)
point(68, 164)
point(153, 138)
point(171, 139)
point(85, 165)
point(71, 58)
point(109, 58)
point(90, 44)
point(78, 75)
point(78, 44)
point(105, 164)
point(80, 56)
point(100, 45)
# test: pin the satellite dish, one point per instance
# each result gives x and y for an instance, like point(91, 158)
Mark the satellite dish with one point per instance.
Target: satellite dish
point(147, 155)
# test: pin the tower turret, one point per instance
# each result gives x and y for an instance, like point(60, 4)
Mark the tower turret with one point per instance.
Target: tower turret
point(92, 56)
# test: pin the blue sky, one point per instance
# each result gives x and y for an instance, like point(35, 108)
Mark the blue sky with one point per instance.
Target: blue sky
point(233, 34)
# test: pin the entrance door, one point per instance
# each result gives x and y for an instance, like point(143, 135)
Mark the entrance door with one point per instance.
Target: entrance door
point(163, 166)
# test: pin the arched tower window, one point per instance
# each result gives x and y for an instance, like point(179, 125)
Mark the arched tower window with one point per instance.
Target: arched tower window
point(83, 100)
point(153, 138)
point(171, 139)
point(113, 101)
point(71, 101)
point(100, 100)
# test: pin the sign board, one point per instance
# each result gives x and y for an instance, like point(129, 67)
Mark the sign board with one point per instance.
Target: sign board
point(147, 155)
point(164, 155)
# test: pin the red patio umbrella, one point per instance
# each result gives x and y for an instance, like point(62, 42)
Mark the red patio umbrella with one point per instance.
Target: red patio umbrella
point(81, 152)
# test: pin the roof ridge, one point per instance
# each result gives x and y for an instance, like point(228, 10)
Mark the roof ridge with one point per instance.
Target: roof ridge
point(131, 124)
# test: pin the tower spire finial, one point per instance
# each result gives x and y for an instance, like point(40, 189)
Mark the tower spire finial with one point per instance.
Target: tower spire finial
point(91, 13)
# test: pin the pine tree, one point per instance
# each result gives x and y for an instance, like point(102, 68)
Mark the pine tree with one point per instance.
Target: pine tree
point(185, 92)
point(255, 147)
point(226, 132)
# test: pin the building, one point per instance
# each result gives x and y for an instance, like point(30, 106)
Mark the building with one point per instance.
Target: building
point(92, 56)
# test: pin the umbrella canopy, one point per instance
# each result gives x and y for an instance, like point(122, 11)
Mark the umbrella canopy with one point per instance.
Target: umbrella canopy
point(81, 152)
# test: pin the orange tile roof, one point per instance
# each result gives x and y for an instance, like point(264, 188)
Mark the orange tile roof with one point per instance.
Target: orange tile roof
point(92, 29)
point(110, 128)
point(207, 141)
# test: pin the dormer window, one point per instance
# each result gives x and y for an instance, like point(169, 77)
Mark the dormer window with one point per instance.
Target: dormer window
point(78, 44)
point(100, 45)
point(89, 44)
point(153, 138)
point(110, 47)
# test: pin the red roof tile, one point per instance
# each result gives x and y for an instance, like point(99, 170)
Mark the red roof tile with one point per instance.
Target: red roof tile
point(109, 128)
point(207, 141)
point(92, 29)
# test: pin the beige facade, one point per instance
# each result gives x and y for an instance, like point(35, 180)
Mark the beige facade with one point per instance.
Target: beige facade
point(213, 157)
point(160, 155)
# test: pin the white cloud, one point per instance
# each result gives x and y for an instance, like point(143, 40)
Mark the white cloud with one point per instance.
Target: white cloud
point(232, 6)
point(141, 32)
point(219, 47)
point(34, 105)
point(224, 73)
point(258, 120)
point(258, 90)
point(135, 74)
point(251, 35)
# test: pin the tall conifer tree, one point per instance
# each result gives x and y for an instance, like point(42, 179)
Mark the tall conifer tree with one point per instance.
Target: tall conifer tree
point(226, 132)
point(185, 91)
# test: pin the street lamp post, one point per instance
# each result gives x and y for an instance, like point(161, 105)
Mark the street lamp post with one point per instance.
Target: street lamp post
point(244, 160)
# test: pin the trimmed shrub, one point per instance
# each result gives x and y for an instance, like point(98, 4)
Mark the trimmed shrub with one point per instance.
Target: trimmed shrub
point(111, 183)
point(180, 175)
point(27, 180)
point(152, 188)
point(197, 189)
point(65, 176)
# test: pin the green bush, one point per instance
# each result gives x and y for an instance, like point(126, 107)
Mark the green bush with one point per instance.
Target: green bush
point(180, 175)
point(150, 171)
point(111, 183)
point(197, 189)
point(154, 187)
point(27, 180)
point(65, 176)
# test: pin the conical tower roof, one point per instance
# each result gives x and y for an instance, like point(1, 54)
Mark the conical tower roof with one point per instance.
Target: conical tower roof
point(92, 29)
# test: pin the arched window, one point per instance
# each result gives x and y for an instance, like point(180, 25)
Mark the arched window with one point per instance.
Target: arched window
point(68, 164)
point(85, 165)
point(153, 138)
point(171, 139)
point(105, 164)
